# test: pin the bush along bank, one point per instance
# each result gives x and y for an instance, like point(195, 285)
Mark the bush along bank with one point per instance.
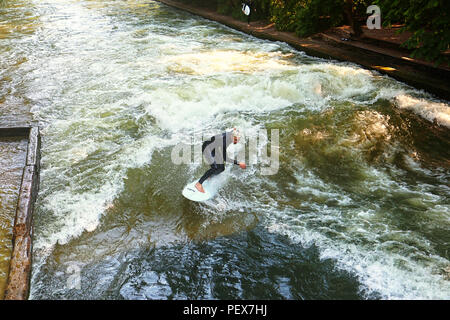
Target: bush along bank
point(427, 21)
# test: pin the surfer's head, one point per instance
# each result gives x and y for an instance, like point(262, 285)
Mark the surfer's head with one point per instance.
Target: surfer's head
point(236, 136)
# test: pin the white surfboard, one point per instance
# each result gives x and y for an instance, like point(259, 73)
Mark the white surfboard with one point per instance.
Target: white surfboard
point(211, 187)
point(190, 192)
point(245, 9)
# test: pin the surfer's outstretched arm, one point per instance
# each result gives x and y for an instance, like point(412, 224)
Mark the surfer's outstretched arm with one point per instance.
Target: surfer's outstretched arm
point(231, 161)
point(240, 164)
point(229, 138)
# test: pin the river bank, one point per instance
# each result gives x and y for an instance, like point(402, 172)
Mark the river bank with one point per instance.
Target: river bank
point(12, 158)
point(329, 45)
point(19, 184)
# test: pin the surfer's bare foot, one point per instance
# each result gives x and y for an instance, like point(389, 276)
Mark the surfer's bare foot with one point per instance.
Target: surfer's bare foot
point(199, 187)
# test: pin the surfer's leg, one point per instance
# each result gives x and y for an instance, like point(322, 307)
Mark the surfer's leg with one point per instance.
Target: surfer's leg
point(220, 168)
point(215, 169)
point(199, 187)
point(207, 174)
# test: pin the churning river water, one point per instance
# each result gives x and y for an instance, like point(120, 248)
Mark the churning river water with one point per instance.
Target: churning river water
point(359, 207)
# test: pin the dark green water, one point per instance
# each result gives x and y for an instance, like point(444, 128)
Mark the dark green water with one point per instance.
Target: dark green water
point(358, 209)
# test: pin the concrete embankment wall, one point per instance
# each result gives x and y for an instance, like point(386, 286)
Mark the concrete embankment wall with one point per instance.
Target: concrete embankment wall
point(18, 282)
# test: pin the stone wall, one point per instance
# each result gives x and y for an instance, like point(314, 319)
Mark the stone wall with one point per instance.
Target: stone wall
point(18, 282)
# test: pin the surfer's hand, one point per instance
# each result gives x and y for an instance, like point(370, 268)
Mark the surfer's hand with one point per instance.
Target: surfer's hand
point(242, 165)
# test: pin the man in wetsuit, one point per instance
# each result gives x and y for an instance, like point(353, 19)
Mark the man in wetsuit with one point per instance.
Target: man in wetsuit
point(249, 3)
point(215, 152)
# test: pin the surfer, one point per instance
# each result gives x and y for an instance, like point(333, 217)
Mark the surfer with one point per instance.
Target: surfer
point(215, 152)
point(247, 9)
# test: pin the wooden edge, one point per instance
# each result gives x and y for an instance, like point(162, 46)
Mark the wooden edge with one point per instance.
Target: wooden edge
point(18, 283)
point(33, 148)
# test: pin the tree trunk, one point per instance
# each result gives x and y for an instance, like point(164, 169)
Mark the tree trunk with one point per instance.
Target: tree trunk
point(352, 19)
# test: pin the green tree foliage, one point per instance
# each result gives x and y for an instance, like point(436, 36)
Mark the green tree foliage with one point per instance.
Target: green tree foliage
point(306, 17)
point(318, 15)
point(284, 14)
point(427, 20)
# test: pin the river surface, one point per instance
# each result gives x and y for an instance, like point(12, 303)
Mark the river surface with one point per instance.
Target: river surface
point(358, 209)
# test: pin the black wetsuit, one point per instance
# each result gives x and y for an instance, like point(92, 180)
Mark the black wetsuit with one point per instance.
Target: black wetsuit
point(213, 147)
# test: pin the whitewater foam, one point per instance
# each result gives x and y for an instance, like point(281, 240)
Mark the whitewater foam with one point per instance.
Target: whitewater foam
point(432, 111)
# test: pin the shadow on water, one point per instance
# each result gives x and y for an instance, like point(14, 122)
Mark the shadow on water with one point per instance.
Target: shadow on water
point(247, 265)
